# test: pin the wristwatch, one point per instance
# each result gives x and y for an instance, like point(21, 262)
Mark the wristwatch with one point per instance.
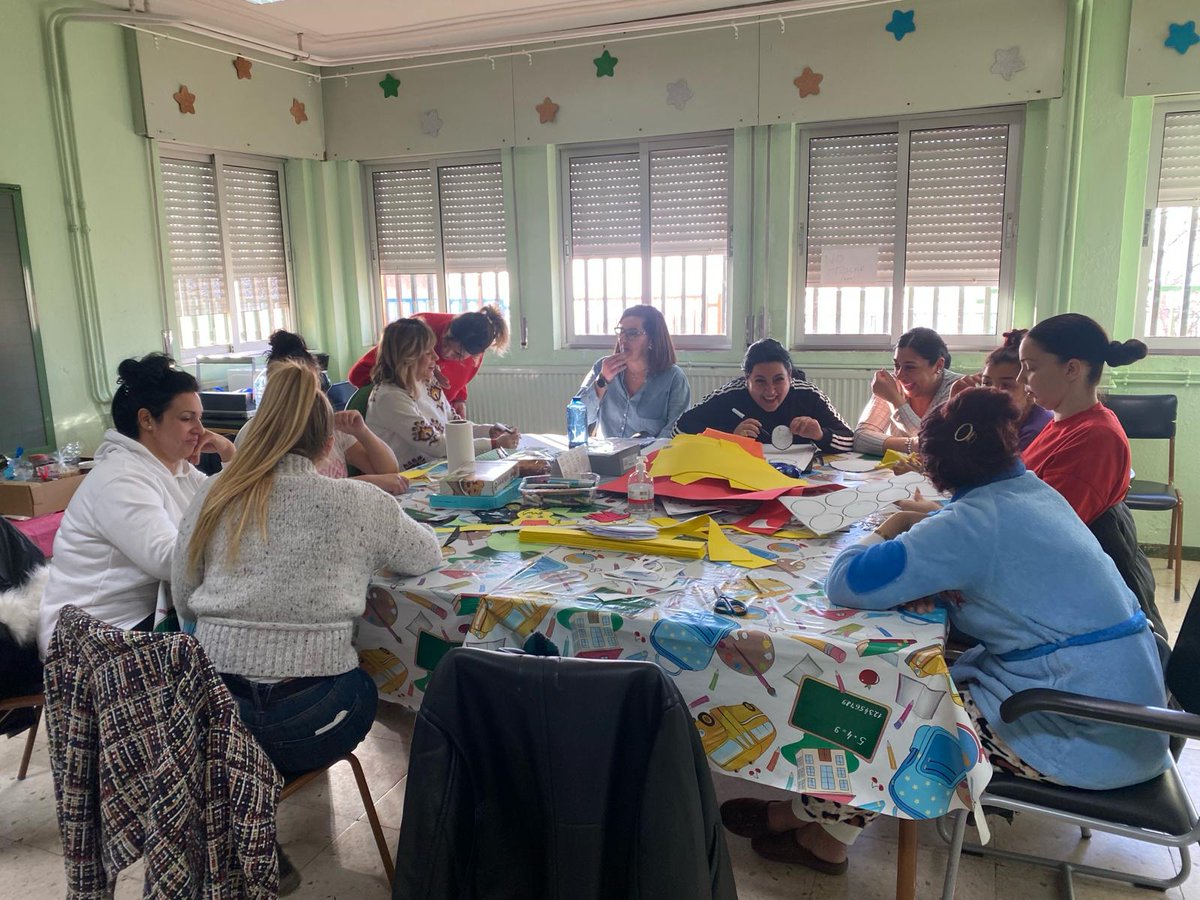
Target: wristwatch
point(601, 381)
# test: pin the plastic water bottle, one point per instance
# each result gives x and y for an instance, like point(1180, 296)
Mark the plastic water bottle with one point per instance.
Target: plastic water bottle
point(576, 422)
point(641, 492)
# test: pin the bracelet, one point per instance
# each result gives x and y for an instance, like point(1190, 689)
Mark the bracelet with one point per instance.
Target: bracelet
point(908, 446)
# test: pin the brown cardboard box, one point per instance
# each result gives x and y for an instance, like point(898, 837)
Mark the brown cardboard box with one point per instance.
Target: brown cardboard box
point(37, 498)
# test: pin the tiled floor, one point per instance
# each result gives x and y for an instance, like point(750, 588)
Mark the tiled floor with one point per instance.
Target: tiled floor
point(326, 834)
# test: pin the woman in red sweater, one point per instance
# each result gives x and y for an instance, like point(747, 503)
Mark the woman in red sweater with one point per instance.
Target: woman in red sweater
point(1083, 453)
point(461, 341)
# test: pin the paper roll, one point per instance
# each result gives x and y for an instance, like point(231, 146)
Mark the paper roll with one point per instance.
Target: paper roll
point(460, 446)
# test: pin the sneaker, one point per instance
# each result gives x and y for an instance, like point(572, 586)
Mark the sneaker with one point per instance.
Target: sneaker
point(289, 875)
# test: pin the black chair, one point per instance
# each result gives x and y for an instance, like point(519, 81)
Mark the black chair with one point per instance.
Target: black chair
point(1152, 417)
point(1159, 811)
point(339, 394)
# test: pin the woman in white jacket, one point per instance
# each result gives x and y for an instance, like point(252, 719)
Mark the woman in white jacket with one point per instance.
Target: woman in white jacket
point(116, 540)
point(407, 409)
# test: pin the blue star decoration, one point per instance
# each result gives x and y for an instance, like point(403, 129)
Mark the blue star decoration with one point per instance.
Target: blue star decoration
point(605, 63)
point(1182, 37)
point(901, 24)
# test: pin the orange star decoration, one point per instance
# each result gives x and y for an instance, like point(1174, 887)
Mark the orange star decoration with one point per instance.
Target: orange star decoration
point(243, 68)
point(186, 100)
point(547, 111)
point(809, 82)
point(298, 112)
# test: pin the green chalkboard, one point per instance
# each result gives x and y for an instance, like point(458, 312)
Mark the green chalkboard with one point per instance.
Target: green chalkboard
point(850, 721)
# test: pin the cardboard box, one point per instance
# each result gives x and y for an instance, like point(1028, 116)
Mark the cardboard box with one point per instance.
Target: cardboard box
point(483, 478)
point(613, 457)
point(37, 498)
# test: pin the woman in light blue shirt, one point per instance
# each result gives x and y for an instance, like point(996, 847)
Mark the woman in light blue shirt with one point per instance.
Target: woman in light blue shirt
point(638, 390)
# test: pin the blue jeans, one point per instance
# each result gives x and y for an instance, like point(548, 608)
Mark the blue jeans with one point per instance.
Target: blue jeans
point(307, 723)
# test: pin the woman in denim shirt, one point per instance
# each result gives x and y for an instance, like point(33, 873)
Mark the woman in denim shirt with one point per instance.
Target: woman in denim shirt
point(638, 390)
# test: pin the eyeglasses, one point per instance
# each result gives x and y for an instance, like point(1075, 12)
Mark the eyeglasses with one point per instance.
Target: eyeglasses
point(628, 332)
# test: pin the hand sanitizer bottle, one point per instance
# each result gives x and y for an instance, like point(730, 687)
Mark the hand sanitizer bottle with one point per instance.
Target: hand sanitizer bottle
point(641, 492)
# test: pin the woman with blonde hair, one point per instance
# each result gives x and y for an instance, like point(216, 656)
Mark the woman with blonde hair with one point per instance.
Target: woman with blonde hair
point(407, 409)
point(273, 607)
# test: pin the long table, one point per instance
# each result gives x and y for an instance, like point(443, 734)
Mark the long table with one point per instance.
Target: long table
point(851, 705)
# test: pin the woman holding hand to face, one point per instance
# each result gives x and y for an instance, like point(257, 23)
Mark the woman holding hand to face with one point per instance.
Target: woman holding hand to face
point(899, 401)
point(1002, 370)
point(766, 397)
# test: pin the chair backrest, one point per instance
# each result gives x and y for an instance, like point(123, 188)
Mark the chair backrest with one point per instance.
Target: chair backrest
point(1144, 416)
point(358, 401)
point(340, 393)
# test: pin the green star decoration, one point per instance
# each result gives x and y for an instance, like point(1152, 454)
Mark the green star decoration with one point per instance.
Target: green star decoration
point(390, 85)
point(605, 63)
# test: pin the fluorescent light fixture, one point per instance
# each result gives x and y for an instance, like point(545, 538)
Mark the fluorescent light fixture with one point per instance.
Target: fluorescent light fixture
point(262, 2)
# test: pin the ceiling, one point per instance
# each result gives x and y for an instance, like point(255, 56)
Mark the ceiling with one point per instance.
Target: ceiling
point(354, 30)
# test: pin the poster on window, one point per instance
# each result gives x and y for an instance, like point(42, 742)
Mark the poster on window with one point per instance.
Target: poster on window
point(849, 265)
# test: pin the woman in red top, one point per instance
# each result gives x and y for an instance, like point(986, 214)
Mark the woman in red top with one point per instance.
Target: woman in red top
point(461, 341)
point(1083, 453)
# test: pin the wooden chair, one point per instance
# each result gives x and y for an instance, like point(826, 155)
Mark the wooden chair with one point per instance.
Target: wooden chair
point(35, 701)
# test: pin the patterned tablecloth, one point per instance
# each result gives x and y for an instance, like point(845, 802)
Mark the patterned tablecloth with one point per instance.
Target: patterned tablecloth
point(854, 706)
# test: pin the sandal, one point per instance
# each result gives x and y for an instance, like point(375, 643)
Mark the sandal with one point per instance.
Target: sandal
point(783, 848)
point(746, 817)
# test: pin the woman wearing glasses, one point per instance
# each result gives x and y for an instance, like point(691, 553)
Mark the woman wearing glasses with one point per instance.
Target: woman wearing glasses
point(638, 390)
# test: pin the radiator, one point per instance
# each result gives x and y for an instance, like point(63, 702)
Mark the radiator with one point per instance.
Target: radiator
point(535, 400)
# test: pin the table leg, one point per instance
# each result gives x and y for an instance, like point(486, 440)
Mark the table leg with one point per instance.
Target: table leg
point(906, 861)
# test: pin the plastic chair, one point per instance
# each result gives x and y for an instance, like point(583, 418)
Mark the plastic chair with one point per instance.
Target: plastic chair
point(28, 701)
point(340, 393)
point(1152, 417)
point(358, 400)
point(1159, 811)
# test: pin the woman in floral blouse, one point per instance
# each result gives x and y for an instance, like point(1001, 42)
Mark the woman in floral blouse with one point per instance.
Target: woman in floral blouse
point(407, 409)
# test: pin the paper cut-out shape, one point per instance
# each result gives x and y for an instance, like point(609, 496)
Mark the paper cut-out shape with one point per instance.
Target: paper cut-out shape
point(605, 64)
point(901, 24)
point(298, 112)
point(390, 85)
point(547, 111)
point(1008, 62)
point(826, 513)
point(678, 93)
point(186, 100)
point(243, 68)
point(1180, 38)
point(431, 122)
point(854, 464)
point(808, 82)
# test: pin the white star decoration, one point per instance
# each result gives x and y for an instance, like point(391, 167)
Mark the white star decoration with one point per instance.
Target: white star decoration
point(678, 93)
point(431, 122)
point(1008, 63)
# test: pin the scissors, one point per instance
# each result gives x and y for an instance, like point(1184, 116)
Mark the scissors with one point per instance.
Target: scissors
point(453, 537)
point(729, 606)
point(501, 516)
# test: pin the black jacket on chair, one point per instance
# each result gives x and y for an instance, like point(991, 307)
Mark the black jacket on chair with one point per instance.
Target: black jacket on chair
point(1115, 530)
point(539, 778)
point(22, 576)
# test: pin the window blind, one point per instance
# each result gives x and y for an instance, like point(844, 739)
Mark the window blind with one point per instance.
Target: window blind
point(689, 200)
point(405, 220)
point(472, 206)
point(956, 192)
point(193, 223)
point(1179, 174)
point(606, 205)
point(254, 223)
point(852, 203)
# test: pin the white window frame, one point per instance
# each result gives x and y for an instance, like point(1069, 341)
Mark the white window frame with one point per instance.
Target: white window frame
point(219, 159)
point(1173, 345)
point(432, 164)
point(643, 148)
point(1015, 120)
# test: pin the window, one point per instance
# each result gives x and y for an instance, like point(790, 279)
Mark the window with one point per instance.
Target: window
point(440, 237)
point(1168, 318)
point(648, 223)
point(905, 224)
point(227, 243)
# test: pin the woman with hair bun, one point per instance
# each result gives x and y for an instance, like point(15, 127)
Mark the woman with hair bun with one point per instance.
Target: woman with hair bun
point(461, 341)
point(1071, 626)
point(115, 542)
point(1083, 453)
point(1002, 370)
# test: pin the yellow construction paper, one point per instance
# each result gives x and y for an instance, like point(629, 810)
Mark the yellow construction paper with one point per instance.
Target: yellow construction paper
point(420, 472)
point(690, 457)
point(575, 537)
point(892, 457)
point(722, 549)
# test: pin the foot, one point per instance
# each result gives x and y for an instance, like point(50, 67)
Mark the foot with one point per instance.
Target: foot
point(809, 846)
point(749, 817)
point(289, 876)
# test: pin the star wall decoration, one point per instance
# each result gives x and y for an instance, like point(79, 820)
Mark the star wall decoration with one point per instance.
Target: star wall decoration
point(1008, 63)
point(679, 93)
point(431, 122)
point(186, 100)
point(298, 112)
point(605, 64)
point(901, 24)
point(1180, 38)
point(390, 85)
point(808, 83)
point(547, 111)
point(243, 68)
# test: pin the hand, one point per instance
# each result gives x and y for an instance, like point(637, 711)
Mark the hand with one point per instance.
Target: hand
point(908, 464)
point(921, 607)
point(392, 482)
point(967, 381)
point(750, 428)
point(919, 504)
point(210, 442)
point(439, 379)
point(806, 427)
point(612, 366)
point(898, 523)
point(504, 437)
point(460, 408)
point(349, 422)
point(885, 386)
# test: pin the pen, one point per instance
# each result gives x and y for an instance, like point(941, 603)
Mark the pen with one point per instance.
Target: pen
point(737, 412)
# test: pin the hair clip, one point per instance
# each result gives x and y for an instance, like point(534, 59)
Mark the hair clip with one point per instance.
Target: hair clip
point(965, 433)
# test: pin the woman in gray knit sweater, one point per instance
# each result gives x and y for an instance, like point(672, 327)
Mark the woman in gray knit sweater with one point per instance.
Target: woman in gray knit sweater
point(274, 605)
